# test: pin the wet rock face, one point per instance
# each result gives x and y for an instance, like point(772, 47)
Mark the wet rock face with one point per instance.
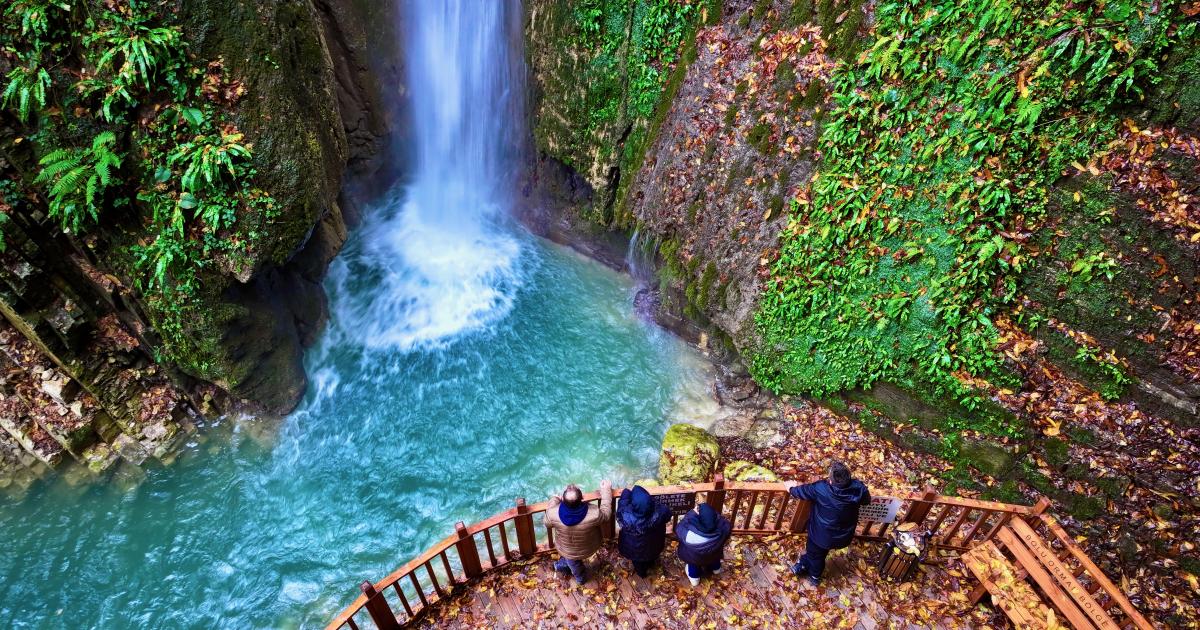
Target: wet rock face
point(733, 149)
point(83, 382)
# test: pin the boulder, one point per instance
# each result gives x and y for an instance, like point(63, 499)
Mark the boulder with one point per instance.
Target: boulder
point(988, 457)
point(689, 455)
point(741, 470)
point(129, 450)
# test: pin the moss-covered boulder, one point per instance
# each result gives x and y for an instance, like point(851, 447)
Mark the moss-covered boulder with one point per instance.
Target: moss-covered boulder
point(742, 470)
point(647, 483)
point(689, 455)
point(988, 457)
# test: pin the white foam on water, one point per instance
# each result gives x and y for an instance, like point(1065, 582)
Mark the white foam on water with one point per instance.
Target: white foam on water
point(445, 261)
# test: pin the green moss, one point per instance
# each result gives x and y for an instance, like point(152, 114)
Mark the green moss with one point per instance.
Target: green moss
point(1191, 564)
point(760, 138)
point(1113, 487)
point(1106, 378)
point(1008, 491)
point(1082, 507)
point(1177, 98)
point(776, 204)
point(1055, 452)
point(689, 454)
point(707, 284)
point(1082, 435)
point(744, 20)
point(846, 43)
point(760, 9)
point(744, 471)
point(800, 13)
point(814, 95)
point(827, 13)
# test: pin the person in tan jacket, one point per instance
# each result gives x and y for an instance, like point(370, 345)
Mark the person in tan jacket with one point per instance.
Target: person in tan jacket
point(578, 527)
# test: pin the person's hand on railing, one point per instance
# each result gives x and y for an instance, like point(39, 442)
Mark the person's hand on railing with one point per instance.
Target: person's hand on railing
point(789, 484)
point(606, 486)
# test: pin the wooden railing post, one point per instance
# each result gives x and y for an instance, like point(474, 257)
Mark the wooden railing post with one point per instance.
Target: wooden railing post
point(800, 517)
point(716, 496)
point(378, 608)
point(468, 554)
point(918, 510)
point(1039, 509)
point(526, 541)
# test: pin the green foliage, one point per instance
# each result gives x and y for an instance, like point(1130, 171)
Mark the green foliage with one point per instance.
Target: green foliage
point(941, 137)
point(27, 88)
point(128, 55)
point(181, 176)
point(633, 52)
point(78, 178)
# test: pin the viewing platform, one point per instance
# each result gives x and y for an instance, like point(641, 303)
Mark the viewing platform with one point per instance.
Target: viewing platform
point(497, 573)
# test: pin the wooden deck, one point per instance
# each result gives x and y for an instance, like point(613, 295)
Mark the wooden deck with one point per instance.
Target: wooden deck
point(754, 591)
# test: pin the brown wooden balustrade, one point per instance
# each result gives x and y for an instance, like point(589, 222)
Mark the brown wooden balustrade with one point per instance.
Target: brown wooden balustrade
point(755, 509)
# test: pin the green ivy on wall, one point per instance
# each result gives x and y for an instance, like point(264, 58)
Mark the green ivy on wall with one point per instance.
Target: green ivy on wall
point(937, 154)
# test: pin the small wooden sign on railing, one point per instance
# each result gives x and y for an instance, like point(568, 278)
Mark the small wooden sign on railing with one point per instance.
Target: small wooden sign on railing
point(680, 502)
point(880, 510)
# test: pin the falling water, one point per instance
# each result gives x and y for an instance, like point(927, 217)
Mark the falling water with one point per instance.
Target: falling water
point(446, 263)
point(465, 363)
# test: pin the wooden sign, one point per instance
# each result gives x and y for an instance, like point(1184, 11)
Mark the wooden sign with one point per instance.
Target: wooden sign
point(879, 510)
point(680, 503)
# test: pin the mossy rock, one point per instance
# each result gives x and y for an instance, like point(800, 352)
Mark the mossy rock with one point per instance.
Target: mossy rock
point(647, 483)
point(741, 470)
point(988, 457)
point(689, 455)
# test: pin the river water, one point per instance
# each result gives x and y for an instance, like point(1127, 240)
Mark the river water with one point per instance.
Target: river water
point(466, 363)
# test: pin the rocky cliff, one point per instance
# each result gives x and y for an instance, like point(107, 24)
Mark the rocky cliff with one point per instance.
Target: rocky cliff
point(102, 363)
point(1075, 375)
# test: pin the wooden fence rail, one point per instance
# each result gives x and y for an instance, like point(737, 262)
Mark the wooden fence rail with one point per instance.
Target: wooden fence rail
point(755, 509)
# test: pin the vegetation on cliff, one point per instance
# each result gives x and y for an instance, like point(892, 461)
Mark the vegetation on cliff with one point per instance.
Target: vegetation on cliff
point(131, 132)
point(616, 78)
point(937, 157)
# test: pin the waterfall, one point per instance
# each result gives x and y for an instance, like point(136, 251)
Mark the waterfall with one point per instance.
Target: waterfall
point(446, 259)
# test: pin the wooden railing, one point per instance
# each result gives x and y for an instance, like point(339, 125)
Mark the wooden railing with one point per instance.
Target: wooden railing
point(755, 509)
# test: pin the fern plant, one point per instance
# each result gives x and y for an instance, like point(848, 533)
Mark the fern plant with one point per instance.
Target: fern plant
point(208, 162)
point(26, 87)
point(78, 179)
point(132, 53)
point(34, 17)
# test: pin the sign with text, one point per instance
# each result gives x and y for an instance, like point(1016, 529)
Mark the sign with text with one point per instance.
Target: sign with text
point(679, 503)
point(879, 510)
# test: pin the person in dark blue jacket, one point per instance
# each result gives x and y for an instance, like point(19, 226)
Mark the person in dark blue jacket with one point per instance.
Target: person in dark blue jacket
point(643, 523)
point(702, 536)
point(833, 518)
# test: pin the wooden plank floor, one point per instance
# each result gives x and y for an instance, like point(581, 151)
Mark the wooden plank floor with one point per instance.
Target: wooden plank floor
point(754, 591)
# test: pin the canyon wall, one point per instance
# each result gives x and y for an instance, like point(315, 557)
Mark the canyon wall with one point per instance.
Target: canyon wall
point(87, 377)
point(734, 142)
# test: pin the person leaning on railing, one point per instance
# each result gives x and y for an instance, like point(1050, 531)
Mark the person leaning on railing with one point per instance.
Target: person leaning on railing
point(578, 527)
point(831, 522)
point(643, 523)
point(702, 536)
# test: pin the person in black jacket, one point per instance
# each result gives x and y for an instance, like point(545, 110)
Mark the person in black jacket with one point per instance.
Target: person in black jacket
point(831, 522)
point(643, 523)
point(702, 536)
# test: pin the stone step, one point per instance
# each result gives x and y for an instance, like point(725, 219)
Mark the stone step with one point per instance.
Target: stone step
point(28, 433)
